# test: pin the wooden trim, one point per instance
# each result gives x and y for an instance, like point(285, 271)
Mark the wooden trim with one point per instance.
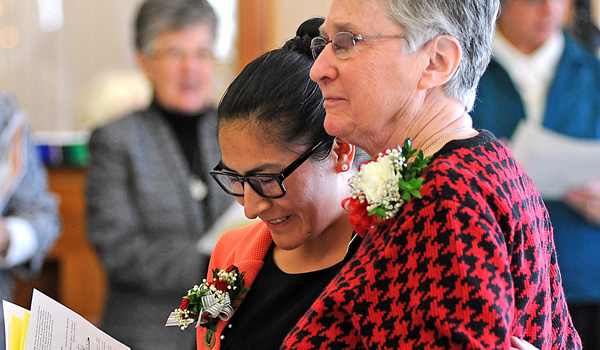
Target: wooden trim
point(256, 29)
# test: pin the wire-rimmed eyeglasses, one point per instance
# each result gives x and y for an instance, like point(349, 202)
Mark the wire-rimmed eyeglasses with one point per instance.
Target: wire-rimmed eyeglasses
point(537, 2)
point(265, 185)
point(343, 43)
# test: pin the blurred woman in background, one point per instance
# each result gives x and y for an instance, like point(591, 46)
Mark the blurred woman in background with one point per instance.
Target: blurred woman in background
point(148, 192)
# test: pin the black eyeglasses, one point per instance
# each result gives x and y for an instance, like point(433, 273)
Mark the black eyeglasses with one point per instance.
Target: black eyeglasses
point(343, 43)
point(265, 185)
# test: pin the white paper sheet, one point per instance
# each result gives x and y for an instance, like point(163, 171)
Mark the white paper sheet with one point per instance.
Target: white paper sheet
point(555, 162)
point(53, 326)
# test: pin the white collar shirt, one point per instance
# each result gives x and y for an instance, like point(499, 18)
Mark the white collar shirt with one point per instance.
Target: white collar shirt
point(532, 74)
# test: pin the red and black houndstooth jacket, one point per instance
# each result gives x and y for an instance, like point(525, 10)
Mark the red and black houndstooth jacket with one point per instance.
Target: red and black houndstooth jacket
point(465, 267)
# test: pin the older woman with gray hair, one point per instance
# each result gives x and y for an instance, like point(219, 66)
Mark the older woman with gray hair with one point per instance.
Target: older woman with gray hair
point(149, 197)
point(458, 251)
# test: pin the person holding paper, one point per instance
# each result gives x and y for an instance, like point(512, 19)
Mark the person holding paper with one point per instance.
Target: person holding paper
point(150, 199)
point(303, 235)
point(541, 78)
point(30, 223)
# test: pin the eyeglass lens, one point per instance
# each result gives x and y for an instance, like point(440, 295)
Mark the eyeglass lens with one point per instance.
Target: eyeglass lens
point(343, 45)
point(344, 42)
point(263, 185)
point(266, 186)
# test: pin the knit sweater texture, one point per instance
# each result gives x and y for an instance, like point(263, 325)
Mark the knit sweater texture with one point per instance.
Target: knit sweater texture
point(465, 267)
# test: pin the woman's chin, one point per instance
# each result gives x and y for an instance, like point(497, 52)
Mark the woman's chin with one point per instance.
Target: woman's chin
point(334, 125)
point(286, 243)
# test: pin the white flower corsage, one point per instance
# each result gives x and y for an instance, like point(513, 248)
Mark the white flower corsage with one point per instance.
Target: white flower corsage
point(383, 185)
point(210, 302)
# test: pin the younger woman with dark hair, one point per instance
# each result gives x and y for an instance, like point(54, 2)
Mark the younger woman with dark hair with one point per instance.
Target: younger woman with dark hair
point(271, 122)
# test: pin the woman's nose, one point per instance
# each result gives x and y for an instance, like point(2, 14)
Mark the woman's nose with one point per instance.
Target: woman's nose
point(323, 68)
point(253, 204)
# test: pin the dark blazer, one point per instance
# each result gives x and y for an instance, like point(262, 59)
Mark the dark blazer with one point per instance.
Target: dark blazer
point(145, 224)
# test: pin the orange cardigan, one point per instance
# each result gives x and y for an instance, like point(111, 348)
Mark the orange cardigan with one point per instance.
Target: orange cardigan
point(246, 248)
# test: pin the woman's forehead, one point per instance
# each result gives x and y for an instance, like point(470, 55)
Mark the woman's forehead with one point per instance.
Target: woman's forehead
point(355, 16)
point(245, 152)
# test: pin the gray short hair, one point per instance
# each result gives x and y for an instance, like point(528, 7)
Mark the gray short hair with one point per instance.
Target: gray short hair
point(156, 17)
point(471, 22)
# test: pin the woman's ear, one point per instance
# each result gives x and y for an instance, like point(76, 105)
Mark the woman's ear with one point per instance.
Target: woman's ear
point(444, 54)
point(344, 155)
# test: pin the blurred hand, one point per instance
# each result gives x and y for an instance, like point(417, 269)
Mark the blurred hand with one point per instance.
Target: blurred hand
point(520, 344)
point(4, 238)
point(586, 201)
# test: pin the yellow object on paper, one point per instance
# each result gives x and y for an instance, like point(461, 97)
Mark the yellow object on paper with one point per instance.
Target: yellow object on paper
point(16, 329)
point(24, 330)
point(16, 320)
point(52, 326)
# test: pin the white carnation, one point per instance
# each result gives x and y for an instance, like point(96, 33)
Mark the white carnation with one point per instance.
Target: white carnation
point(375, 179)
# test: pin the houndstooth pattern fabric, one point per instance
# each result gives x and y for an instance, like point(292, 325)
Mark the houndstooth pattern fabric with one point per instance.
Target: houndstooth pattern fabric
point(466, 267)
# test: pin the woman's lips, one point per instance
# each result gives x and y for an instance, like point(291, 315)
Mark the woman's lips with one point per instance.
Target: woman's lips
point(278, 221)
point(331, 101)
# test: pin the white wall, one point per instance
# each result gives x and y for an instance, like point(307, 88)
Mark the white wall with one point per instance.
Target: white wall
point(51, 72)
point(293, 12)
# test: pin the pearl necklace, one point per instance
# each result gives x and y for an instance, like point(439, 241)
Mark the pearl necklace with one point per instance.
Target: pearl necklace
point(444, 136)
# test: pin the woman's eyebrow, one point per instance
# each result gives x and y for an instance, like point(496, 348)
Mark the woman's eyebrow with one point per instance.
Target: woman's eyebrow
point(338, 27)
point(259, 169)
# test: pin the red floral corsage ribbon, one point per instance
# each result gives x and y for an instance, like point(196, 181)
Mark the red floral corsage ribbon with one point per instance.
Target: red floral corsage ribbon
point(210, 302)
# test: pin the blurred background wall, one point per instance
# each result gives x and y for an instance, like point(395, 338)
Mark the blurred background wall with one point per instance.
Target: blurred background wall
point(57, 55)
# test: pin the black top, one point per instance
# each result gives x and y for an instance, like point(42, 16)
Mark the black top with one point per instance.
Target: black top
point(275, 303)
point(185, 127)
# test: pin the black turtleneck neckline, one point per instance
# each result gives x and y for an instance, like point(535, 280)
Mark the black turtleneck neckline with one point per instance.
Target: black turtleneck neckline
point(185, 127)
